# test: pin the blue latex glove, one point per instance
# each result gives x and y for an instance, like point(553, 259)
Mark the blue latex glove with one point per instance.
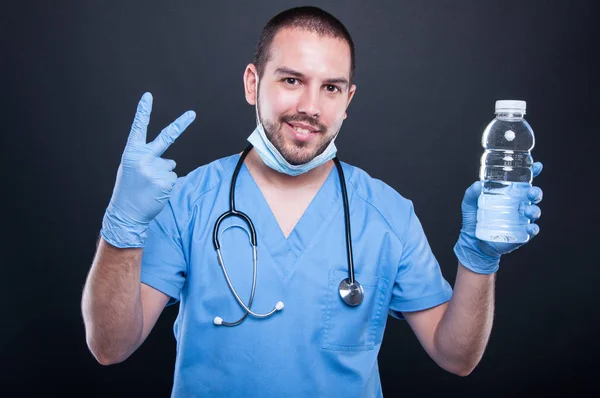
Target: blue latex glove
point(481, 256)
point(144, 179)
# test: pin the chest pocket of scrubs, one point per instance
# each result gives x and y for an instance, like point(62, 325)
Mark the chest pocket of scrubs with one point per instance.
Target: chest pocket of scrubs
point(356, 328)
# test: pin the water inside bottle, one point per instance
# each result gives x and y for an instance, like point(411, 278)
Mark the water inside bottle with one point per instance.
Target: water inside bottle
point(501, 212)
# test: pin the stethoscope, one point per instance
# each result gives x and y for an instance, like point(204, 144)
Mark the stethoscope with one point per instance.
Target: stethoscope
point(350, 290)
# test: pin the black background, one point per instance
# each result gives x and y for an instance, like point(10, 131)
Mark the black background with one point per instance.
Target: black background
point(428, 74)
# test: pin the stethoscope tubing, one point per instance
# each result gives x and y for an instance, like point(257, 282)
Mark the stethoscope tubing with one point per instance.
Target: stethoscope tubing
point(349, 254)
point(237, 297)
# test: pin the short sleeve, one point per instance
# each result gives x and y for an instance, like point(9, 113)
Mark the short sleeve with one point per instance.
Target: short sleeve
point(163, 263)
point(419, 283)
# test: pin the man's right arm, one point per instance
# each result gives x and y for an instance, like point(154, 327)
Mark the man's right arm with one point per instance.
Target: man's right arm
point(118, 310)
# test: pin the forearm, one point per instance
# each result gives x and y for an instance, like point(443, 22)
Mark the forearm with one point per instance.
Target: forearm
point(463, 332)
point(111, 303)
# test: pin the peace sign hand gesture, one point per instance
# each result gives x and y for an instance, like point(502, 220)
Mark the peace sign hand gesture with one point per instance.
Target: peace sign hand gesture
point(144, 180)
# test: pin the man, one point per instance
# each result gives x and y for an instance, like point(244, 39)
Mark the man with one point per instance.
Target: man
point(158, 245)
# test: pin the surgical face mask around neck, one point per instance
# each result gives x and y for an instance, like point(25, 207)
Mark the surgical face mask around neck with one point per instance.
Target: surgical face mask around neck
point(275, 160)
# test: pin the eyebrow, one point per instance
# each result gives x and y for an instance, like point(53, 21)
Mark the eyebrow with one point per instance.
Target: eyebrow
point(291, 72)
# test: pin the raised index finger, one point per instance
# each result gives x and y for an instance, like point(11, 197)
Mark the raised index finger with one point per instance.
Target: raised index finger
point(171, 132)
point(137, 135)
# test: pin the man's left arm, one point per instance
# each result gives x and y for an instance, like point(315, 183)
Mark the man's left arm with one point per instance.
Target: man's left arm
point(455, 334)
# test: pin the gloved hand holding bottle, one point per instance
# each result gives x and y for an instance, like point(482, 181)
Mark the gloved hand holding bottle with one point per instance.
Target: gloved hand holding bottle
point(144, 180)
point(483, 256)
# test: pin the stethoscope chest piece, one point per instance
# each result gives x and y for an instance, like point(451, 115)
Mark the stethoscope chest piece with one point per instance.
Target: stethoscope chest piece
point(351, 292)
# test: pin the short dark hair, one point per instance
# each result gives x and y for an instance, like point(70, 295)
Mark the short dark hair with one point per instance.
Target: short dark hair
point(309, 18)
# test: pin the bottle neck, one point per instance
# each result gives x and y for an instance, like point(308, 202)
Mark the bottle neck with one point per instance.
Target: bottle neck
point(510, 115)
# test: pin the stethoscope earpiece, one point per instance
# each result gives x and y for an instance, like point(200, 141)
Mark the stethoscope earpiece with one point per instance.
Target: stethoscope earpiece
point(219, 321)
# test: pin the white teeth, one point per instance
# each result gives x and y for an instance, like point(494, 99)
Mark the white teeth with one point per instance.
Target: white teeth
point(301, 130)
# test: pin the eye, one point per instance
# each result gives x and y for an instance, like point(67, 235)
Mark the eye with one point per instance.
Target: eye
point(333, 89)
point(291, 80)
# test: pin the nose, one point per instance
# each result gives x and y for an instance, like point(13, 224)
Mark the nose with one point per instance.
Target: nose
point(309, 102)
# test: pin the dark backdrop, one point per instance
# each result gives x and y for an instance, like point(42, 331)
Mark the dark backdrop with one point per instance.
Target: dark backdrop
point(428, 74)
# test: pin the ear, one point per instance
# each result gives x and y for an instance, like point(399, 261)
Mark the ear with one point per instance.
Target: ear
point(350, 96)
point(250, 84)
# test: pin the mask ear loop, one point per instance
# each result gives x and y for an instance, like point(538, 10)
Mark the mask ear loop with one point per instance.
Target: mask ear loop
point(256, 100)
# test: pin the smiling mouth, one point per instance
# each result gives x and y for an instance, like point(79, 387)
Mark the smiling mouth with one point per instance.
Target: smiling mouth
point(303, 130)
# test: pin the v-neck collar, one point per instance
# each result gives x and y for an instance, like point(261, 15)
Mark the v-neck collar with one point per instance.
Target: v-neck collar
point(286, 251)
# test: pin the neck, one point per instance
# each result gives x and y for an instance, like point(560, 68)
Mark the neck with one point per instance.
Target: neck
point(283, 181)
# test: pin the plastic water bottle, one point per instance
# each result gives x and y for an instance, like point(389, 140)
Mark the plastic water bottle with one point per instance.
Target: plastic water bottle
point(506, 175)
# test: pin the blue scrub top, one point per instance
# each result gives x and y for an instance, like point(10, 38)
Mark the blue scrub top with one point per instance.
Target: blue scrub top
point(317, 345)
